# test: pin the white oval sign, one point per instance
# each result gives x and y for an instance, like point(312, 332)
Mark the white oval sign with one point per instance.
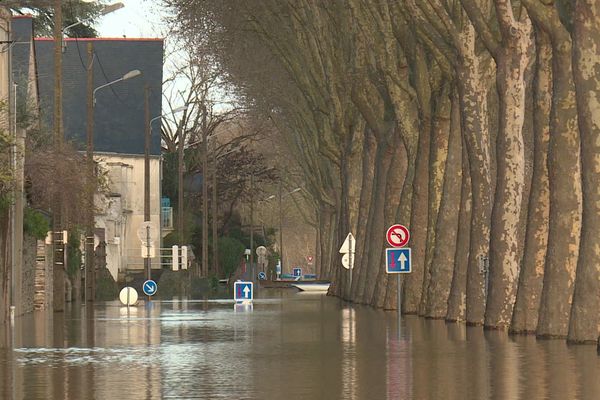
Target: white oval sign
point(128, 296)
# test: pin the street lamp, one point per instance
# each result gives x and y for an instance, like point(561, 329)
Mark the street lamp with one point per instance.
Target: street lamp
point(129, 75)
point(89, 274)
point(147, 262)
point(281, 196)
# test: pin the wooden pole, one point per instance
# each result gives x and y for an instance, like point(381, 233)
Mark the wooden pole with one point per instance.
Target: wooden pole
point(57, 223)
point(90, 269)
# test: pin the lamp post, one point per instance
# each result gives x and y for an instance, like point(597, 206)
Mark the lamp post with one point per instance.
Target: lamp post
point(89, 275)
point(147, 261)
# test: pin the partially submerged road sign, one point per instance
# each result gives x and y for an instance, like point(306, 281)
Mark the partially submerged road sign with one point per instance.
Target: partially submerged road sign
point(242, 291)
point(398, 235)
point(397, 261)
point(150, 287)
point(297, 272)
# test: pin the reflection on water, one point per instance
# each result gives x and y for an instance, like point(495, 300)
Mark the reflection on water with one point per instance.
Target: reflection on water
point(285, 346)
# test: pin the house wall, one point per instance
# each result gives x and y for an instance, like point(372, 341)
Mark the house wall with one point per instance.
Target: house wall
point(121, 211)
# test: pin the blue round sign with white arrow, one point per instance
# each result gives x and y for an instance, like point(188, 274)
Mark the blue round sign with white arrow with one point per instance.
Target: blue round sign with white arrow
point(150, 287)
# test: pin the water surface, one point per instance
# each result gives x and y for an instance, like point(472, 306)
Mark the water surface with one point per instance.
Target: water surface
point(286, 346)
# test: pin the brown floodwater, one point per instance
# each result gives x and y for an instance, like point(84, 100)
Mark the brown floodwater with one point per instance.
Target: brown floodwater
point(287, 346)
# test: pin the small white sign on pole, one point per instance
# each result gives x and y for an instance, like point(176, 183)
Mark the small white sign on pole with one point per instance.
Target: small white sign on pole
point(175, 257)
point(148, 251)
point(184, 257)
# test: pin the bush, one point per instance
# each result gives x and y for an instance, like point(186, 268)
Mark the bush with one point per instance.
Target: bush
point(231, 252)
point(35, 223)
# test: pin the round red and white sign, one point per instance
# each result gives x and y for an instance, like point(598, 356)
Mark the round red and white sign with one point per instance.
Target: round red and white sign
point(397, 235)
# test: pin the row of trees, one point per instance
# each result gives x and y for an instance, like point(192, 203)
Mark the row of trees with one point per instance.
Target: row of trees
point(475, 122)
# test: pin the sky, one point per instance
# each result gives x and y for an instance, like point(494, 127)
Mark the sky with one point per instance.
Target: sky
point(139, 18)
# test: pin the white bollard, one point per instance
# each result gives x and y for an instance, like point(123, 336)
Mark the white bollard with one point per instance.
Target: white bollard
point(175, 259)
point(184, 257)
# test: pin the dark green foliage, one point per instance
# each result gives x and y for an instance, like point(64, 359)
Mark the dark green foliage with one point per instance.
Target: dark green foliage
point(74, 260)
point(35, 223)
point(106, 287)
point(231, 252)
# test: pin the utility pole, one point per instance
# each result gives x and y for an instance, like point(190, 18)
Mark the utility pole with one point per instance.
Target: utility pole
point(252, 226)
point(147, 260)
point(180, 217)
point(280, 228)
point(204, 194)
point(215, 211)
point(57, 226)
point(90, 269)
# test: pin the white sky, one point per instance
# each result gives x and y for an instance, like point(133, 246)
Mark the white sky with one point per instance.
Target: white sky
point(139, 18)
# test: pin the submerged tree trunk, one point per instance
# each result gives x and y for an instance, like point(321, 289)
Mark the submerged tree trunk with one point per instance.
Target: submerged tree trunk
point(585, 315)
point(360, 267)
point(418, 221)
point(473, 98)
point(457, 301)
point(377, 231)
point(402, 217)
point(442, 264)
point(395, 181)
point(525, 313)
point(564, 181)
point(437, 166)
point(512, 60)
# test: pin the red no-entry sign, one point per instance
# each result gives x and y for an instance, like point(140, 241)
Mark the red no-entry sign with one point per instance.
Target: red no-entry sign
point(397, 235)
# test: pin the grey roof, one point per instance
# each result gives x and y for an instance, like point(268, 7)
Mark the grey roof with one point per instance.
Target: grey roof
point(119, 112)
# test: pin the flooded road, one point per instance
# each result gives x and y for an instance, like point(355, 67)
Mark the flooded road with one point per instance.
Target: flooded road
point(287, 345)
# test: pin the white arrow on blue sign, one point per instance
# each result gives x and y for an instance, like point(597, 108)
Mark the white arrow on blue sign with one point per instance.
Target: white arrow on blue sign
point(262, 276)
point(242, 291)
point(150, 287)
point(397, 260)
point(297, 272)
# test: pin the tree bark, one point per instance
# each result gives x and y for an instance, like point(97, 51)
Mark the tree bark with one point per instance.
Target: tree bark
point(511, 60)
point(395, 181)
point(457, 302)
point(418, 220)
point(403, 217)
point(368, 163)
point(525, 313)
point(377, 232)
point(585, 318)
point(437, 166)
point(442, 265)
point(564, 176)
point(474, 118)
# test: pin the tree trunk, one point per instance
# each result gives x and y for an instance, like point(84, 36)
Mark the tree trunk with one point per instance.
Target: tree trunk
point(360, 269)
point(525, 313)
point(444, 253)
point(585, 318)
point(474, 118)
point(418, 221)
point(511, 62)
point(457, 301)
point(565, 192)
point(377, 233)
point(393, 192)
point(437, 165)
point(403, 217)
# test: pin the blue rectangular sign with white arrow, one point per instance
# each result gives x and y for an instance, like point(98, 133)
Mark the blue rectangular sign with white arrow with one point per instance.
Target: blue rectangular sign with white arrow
point(242, 291)
point(397, 260)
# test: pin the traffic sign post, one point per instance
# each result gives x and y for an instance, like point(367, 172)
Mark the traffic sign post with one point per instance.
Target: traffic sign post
point(348, 249)
point(150, 287)
point(297, 272)
point(398, 259)
point(398, 235)
point(243, 291)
